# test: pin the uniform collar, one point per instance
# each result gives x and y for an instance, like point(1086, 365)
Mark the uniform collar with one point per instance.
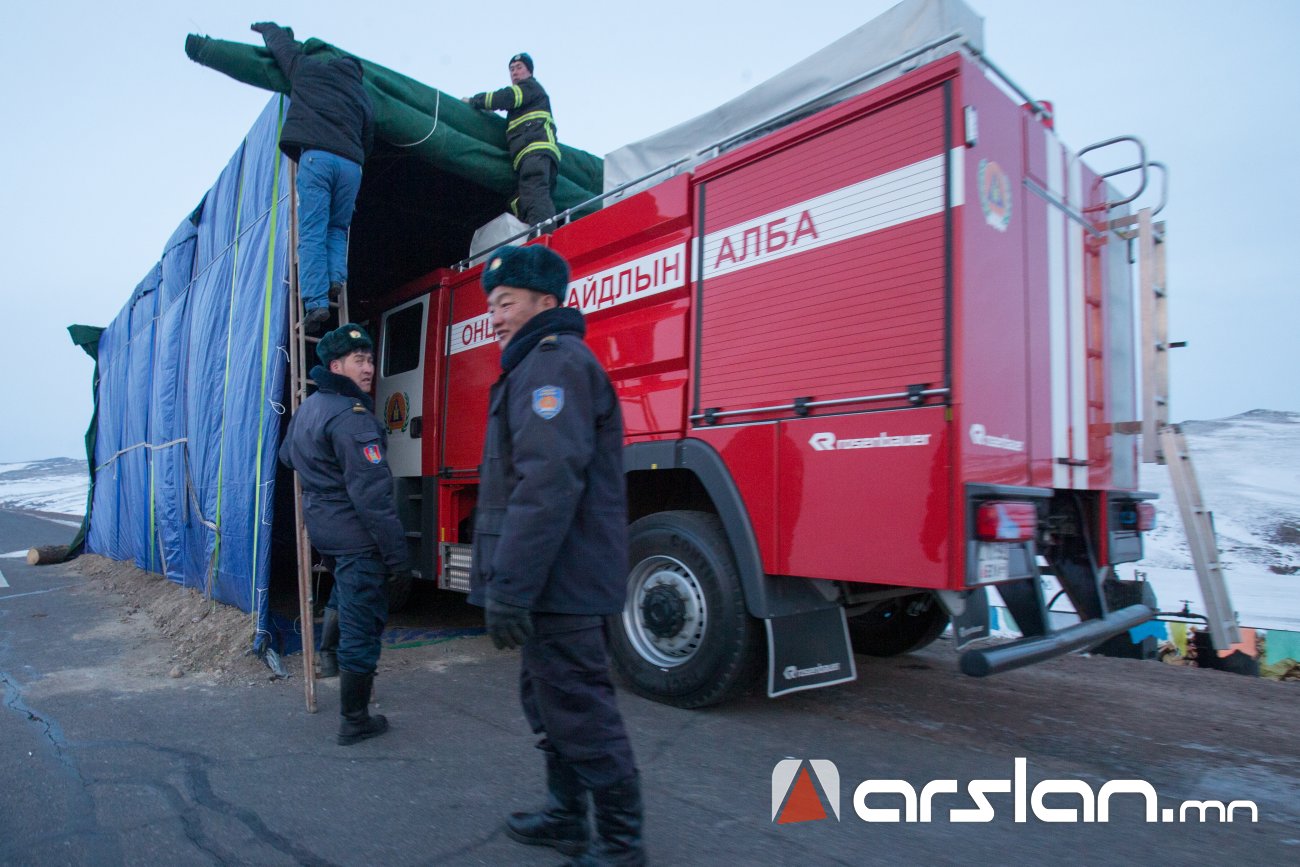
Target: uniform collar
point(557, 320)
point(332, 383)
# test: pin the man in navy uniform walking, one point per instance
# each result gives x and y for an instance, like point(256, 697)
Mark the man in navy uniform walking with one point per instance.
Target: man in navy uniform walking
point(337, 447)
point(550, 554)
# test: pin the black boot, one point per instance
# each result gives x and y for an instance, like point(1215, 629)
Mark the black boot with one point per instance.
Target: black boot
point(314, 321)
point(329, 644)
point(354, 698)
point(618, 827)
point(562, 823)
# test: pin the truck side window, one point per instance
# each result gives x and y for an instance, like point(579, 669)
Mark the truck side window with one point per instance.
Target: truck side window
point(402, 340)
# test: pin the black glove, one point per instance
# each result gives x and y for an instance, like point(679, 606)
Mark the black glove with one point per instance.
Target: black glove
point(402, 575)
point(509, 625)
point(263, 26)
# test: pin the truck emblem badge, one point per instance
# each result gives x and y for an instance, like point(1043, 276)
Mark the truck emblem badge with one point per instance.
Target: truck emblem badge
point(397, 411)
point(822, 442)
point(548, 401)
point(995, 195)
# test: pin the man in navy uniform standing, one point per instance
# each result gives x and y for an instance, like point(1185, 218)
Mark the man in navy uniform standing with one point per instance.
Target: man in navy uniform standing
point(530, 135)
point(337, 447)
point(550, 554)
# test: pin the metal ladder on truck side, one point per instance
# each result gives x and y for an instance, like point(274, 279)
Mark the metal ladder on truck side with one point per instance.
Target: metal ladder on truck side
point(302, 356)
point(1163, 442)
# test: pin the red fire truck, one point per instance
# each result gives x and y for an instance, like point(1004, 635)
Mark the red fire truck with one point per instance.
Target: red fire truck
point(872, 363)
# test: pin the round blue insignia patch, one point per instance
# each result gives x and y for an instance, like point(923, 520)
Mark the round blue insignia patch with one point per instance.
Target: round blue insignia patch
point(548, 401)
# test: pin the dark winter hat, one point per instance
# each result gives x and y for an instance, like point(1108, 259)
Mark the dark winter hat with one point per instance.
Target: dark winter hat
point(523, 58)
point(533, 267)
point(343, 341)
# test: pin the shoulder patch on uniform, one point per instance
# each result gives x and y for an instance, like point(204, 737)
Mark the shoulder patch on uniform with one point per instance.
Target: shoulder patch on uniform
point(373, 454)
point(548, 401)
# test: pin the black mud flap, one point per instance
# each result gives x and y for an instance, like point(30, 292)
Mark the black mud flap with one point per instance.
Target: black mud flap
point(969, 613)
point(808, 650)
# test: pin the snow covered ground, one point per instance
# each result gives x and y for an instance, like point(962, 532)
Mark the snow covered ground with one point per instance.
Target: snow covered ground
point(55, 485)
point(1248, 467)
point(1249, 472)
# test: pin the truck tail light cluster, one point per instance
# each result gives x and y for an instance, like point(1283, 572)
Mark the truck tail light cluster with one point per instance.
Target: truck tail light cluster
point(1146, 516)
point(1138, 516)
point(1001, 521)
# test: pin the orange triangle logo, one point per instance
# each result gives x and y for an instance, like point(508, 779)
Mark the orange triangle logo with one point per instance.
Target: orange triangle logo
point(802, 805)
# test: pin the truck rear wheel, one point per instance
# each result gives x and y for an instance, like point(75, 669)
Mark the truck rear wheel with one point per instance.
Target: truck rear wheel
point(899, 625)
point(684, 637)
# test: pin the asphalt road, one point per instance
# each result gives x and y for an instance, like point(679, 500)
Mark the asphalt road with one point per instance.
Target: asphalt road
point(98, 769)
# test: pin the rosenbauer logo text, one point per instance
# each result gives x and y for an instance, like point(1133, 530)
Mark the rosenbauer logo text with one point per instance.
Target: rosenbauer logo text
point(807, 790)
point(826, 442)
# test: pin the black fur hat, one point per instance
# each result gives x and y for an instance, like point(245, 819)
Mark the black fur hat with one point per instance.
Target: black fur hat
point(533, 267)
point(343, 341)
point(523, 58)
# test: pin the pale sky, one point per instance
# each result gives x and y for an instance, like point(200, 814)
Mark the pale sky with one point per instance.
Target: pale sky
point(112, 136)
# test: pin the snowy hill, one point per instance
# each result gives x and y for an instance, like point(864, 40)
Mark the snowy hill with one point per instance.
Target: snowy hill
point(53, 485)
point(1249, 472)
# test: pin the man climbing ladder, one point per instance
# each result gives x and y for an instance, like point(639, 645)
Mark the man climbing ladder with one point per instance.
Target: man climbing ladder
point(328, 132)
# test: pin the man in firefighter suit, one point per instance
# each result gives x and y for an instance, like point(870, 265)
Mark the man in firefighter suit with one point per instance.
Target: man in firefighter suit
point(337, 446)
point(328, 132)
point(530, 135)
point(550, 554)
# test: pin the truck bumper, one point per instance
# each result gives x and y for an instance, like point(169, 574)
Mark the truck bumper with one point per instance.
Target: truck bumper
point(984, 661)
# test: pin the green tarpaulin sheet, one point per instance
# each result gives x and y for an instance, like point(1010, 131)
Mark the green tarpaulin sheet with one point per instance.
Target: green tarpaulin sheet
point(87, 337)
point(438, 127)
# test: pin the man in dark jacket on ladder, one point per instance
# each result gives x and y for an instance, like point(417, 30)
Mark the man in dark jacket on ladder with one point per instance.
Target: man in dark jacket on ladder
point(550, 554)
point(337, 446)
point(530, 135)
point(328, 132)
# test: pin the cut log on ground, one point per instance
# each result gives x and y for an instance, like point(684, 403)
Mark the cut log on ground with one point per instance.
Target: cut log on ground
point(46, 554)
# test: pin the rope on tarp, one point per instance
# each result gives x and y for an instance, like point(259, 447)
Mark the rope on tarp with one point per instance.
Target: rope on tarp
point(153, 531)
point(267, 292)
point(149, 446)
point(194, 497)
point(437, 102)
point(215, 565)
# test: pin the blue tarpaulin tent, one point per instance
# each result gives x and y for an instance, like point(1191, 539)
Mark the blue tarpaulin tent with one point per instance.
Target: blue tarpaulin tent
point(192, 373)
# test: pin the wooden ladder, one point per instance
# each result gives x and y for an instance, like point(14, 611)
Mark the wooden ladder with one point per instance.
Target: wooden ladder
point(1163, 442)
point(302, 356)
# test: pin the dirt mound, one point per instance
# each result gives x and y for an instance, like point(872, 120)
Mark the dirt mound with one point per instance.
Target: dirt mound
point(207, 636)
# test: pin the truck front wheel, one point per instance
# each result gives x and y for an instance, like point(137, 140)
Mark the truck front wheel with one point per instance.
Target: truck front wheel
point(684, 637)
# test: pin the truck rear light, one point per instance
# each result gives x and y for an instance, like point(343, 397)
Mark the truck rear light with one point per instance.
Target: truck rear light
point(1005, 522)
point(1146, 517)
point(1137, 516)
